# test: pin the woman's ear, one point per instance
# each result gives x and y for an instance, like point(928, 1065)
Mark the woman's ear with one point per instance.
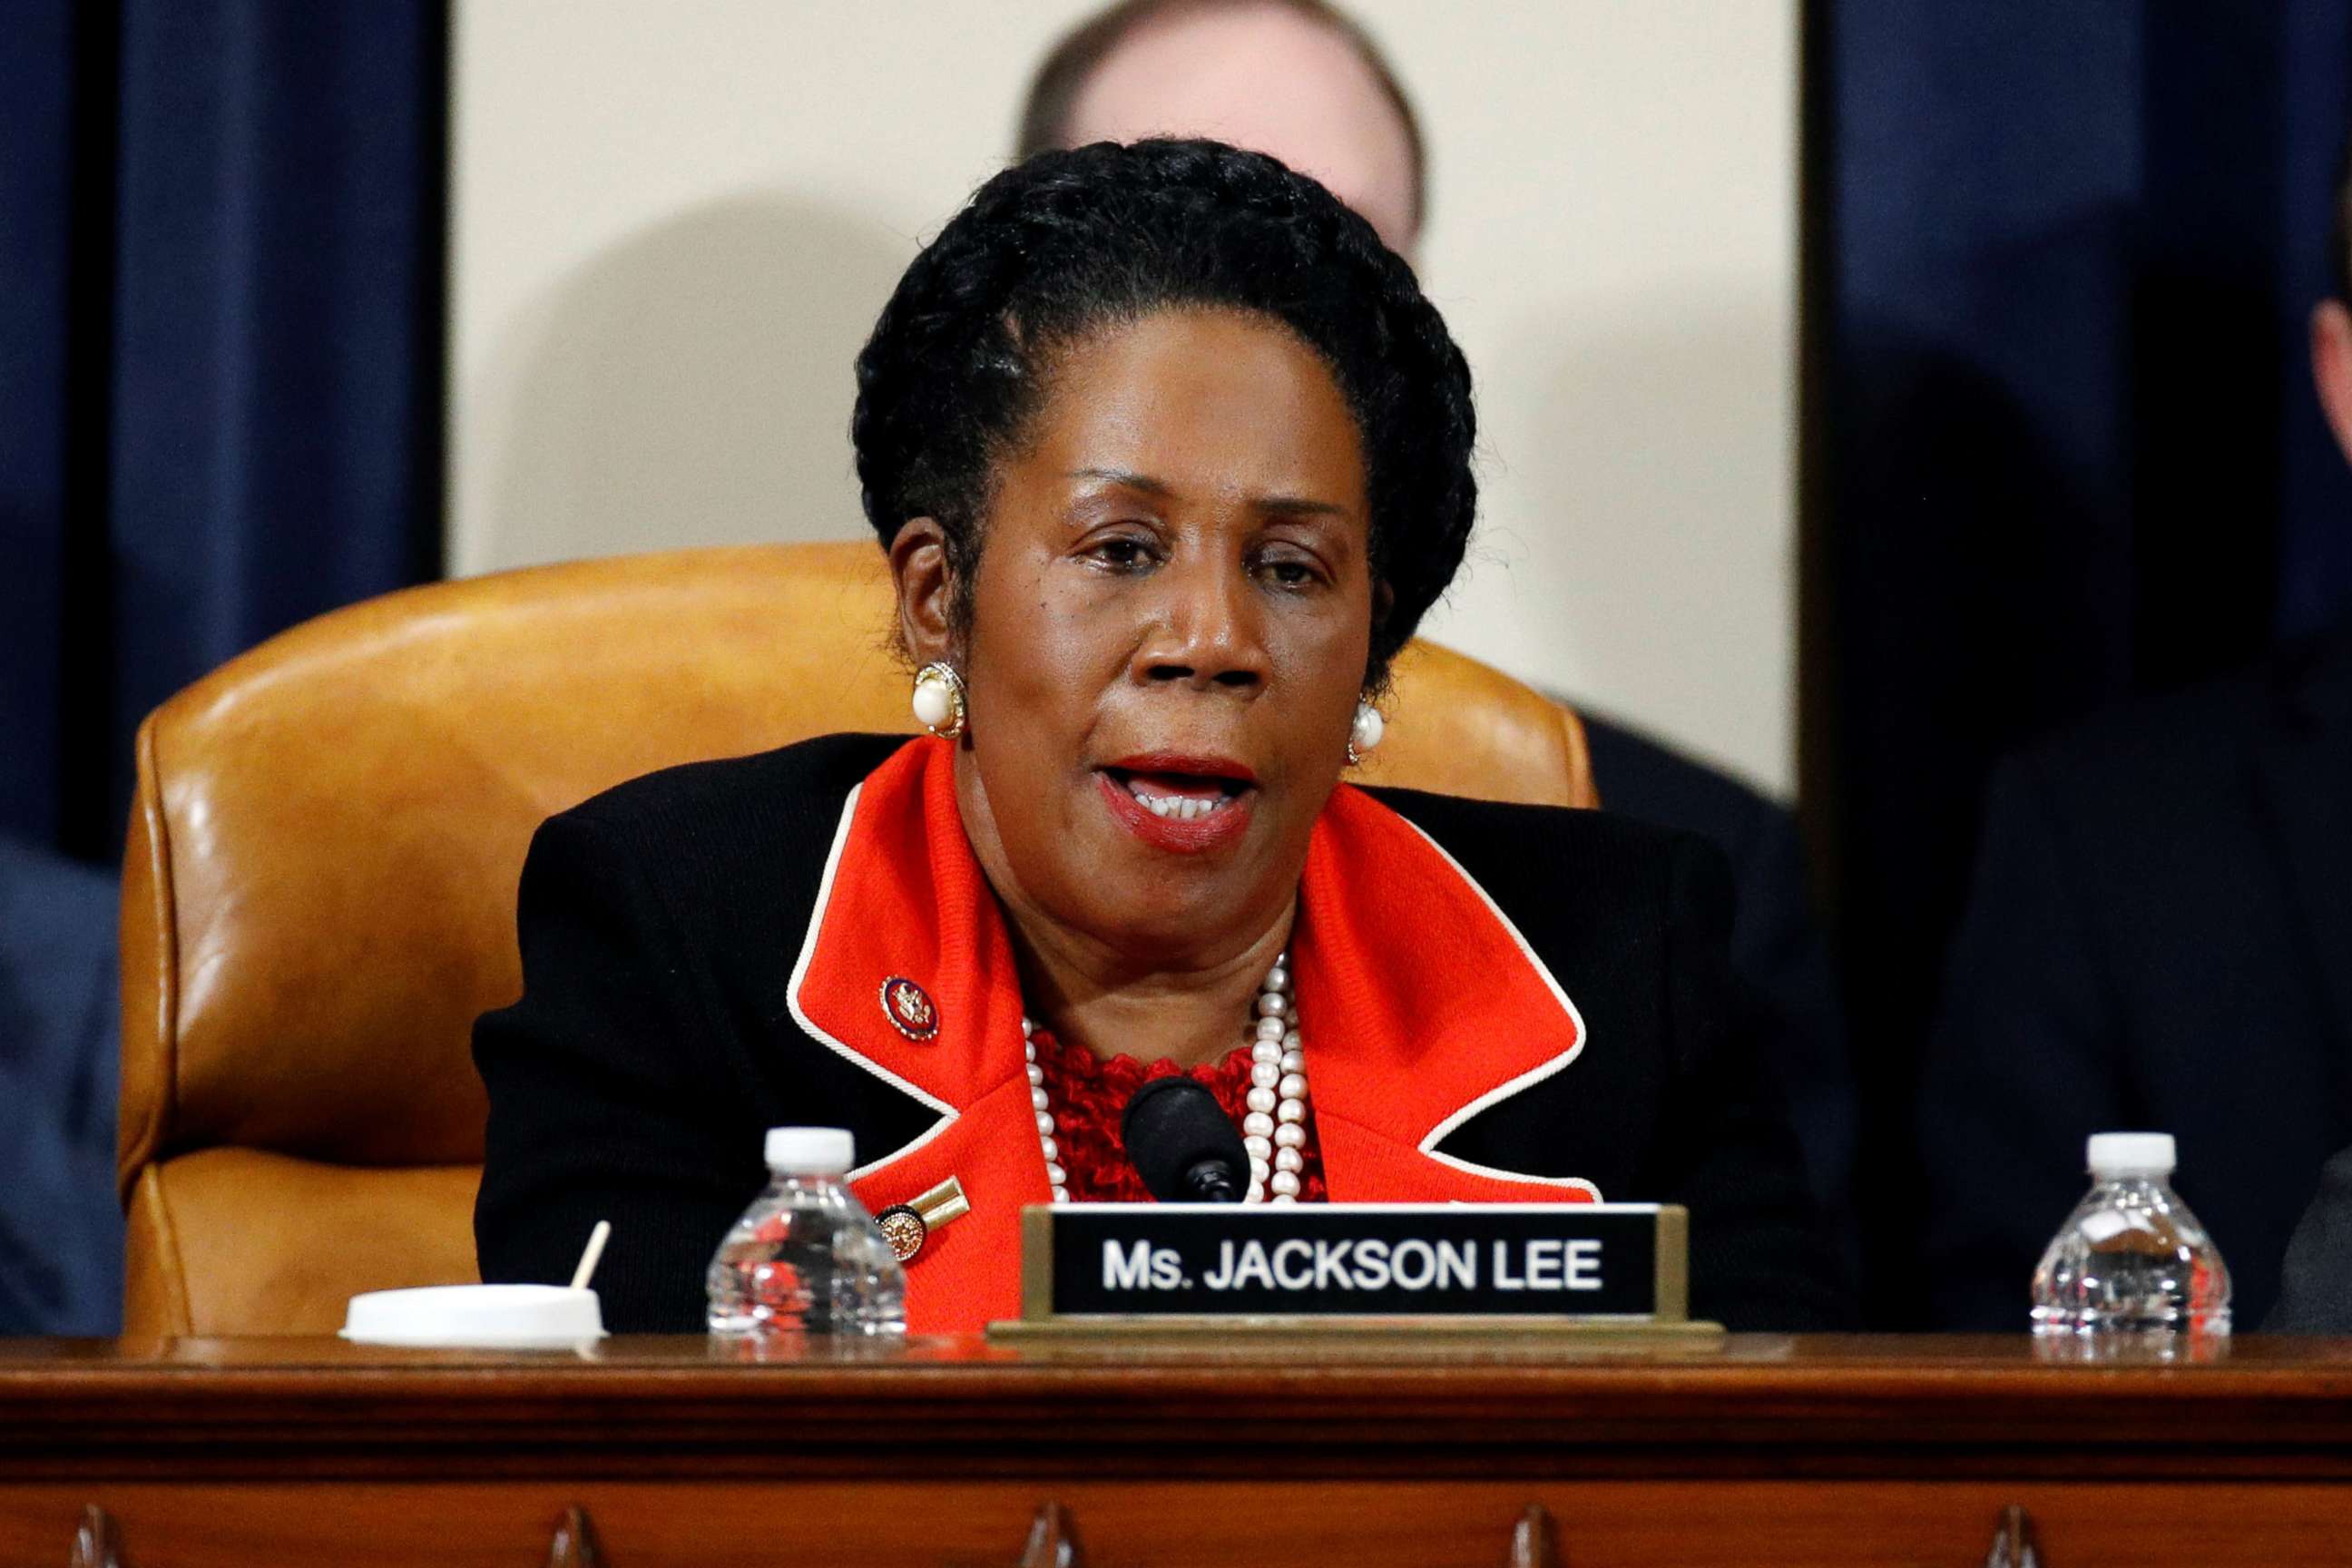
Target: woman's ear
point(926, 585)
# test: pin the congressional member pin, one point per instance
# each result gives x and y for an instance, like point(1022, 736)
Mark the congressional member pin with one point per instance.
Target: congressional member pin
point(910, 1009)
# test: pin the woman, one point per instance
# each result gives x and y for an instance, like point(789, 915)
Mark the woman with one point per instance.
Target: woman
point(1170, 456)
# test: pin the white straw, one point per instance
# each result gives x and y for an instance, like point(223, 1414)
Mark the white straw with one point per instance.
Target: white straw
point(596, 1240)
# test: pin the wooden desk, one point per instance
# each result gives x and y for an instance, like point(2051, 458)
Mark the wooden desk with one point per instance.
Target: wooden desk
point(1763, 1451)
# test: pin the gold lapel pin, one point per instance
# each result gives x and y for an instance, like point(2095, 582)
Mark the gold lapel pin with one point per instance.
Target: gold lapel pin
point(906, 1227)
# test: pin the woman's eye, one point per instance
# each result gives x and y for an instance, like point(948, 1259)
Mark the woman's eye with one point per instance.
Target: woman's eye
point(1288, 572)
point(1126, 554)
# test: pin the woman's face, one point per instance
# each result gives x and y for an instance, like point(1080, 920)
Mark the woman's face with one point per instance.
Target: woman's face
point(1168, 632)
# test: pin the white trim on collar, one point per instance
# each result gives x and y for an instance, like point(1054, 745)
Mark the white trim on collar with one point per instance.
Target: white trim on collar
point(1496, 1173)
point(800, 1015)
point(1527, 1079)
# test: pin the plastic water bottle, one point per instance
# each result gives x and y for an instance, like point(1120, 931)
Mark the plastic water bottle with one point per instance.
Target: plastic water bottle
point(2131, 1263)
point(805, 1257)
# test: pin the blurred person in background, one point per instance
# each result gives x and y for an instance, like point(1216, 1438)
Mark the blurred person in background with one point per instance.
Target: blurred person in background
point(60, 1233)
point(2159, 936)
point(1302, 82)
point(2315, 1280)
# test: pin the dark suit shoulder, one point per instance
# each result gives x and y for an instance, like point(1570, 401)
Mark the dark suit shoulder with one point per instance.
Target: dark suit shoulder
point(2197, 738)
point(2146, 798)
point(734, 848)
point(2191, 736)
point(734, 821)
point(1566, 876)
point(1596, 896)
point(1642, 777)
point(811, 777)
point(1503, 832)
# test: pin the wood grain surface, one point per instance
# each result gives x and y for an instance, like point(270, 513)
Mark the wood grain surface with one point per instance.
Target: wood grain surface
point(1764, 1451)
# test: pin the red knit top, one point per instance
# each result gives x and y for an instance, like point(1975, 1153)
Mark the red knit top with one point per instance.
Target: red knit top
point(1089, 1096)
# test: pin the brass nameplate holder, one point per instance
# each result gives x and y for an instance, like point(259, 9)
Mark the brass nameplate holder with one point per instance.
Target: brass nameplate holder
point(1472, 1269)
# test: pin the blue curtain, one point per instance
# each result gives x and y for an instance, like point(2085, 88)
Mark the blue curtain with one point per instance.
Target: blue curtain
point(220, 362)
point(2066, 446)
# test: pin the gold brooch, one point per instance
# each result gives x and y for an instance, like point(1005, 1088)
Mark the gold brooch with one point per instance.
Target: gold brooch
point(906, 1227)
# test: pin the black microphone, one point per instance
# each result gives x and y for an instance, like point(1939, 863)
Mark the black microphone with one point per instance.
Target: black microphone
point(1183, 1144)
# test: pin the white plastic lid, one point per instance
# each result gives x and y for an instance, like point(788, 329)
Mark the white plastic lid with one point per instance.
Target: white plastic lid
point(496, 1317)
point(2131, 1155)
point(811, 1151)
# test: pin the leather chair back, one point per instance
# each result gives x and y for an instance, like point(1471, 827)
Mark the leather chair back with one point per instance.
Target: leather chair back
point(319, 889)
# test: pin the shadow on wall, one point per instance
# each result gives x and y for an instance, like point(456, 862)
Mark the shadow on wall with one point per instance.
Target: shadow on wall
point(1701, 568)
point(690, 385)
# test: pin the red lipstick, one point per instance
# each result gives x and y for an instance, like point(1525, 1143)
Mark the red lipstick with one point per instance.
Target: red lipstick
point(1206, 801)
point(1198, 764)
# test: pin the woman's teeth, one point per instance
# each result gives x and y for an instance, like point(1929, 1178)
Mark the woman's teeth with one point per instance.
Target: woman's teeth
point(1183, 808)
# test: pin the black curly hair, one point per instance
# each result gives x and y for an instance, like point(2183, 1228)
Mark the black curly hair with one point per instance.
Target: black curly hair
point(1068, 242)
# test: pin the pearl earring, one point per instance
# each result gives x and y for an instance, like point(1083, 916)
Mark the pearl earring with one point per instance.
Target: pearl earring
point(1365, 733)
point(939, 700)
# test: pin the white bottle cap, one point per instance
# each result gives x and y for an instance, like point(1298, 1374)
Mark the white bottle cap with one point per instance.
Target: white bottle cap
point(2131, 1155)
point(811, 1151)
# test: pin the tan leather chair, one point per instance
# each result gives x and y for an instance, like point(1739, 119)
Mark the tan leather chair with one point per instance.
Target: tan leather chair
point(318, 889)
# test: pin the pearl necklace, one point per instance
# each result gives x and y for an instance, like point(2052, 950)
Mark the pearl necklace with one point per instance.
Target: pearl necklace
point(1275, 1130)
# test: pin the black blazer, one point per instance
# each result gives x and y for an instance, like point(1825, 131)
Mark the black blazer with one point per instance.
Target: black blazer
point(1778, 950)
point(2159, 937)
point(653, 1042)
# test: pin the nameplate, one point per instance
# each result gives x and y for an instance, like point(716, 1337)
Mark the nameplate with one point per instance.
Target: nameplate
point(1166, 1263)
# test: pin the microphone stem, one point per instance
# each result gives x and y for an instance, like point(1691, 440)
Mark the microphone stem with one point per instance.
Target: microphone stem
point(1211, 1182)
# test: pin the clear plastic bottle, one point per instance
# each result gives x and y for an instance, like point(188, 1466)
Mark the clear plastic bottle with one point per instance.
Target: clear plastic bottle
point(805, 1257)
point(2131, 1263)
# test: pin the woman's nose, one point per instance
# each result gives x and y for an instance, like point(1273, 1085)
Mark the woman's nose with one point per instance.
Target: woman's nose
point(1209, 631)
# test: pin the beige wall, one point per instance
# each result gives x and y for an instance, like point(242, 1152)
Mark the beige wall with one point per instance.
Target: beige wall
point(674, 223)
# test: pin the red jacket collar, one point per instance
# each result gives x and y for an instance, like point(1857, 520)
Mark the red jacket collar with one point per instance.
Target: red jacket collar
point(1423, 1005)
